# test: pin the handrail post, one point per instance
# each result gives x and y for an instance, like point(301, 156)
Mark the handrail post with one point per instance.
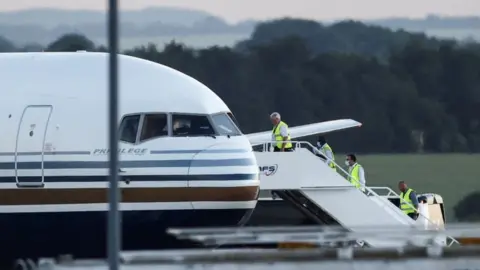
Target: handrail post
point(114, 214)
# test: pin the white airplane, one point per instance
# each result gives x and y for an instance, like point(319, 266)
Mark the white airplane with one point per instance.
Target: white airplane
point(184, 161)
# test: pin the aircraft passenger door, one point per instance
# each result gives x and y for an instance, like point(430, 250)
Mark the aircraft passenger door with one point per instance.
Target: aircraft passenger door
point(29, 148)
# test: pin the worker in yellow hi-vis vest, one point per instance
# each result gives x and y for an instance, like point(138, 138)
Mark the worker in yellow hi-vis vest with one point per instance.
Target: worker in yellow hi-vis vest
point(280, 134)
point(356, 172)
point(408, 200)
point(326, 151)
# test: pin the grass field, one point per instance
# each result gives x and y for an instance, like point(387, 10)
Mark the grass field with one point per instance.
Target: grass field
point(451, 175)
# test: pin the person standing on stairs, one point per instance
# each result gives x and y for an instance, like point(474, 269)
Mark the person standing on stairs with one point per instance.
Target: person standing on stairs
point(280, 134)
point(408, 200)
point(356, 173)
point(326, 151)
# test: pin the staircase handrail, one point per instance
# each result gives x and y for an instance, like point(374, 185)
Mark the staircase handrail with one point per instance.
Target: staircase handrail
point(390, 191)
point(368, 190)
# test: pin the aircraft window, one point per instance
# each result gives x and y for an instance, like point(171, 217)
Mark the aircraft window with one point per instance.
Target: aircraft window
point(225, 125)
point(129, 128)
point(154, 126)
point(191, 125)
point(234, 120)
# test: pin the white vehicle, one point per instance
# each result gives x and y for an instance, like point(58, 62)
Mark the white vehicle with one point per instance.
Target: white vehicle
point(184, 161)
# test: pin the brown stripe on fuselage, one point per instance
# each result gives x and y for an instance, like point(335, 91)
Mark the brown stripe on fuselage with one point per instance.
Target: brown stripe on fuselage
point(31, 196)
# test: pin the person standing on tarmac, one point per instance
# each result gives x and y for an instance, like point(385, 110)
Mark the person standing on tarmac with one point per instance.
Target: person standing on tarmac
point(408, 200)
point(356, 172)
point(326, 151)
point(280, 134)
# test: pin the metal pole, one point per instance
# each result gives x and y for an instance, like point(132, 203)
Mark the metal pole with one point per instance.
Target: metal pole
point(114, 236)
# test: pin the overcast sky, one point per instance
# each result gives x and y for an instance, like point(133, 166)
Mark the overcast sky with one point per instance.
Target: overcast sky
point(235, 10)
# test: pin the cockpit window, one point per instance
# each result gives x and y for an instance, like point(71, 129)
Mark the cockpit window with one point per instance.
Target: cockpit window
point(129, 128)
point(154, 126)
point(191, 125)
point(225, 125)
point(234, 120)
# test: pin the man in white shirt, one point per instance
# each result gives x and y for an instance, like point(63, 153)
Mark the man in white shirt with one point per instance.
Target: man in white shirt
point(356, 172)
point(326, 151)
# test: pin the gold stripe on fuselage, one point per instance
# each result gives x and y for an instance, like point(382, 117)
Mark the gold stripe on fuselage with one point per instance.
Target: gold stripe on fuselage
point(45, 196)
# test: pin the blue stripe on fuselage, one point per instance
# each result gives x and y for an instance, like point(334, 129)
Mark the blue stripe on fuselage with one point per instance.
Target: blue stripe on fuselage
point(27, 165)
point(133, 178)
point(154, 152)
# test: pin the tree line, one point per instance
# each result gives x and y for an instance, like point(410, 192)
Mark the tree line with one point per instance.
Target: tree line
point(411, 92)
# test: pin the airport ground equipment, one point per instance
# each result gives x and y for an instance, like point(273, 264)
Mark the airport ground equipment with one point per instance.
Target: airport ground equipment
point(304, 180)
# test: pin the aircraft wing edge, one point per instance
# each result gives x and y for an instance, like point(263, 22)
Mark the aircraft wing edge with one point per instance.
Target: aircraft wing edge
point(306, 130)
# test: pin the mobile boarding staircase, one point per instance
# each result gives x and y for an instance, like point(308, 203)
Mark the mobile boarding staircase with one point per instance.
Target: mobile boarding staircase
point(306, 182)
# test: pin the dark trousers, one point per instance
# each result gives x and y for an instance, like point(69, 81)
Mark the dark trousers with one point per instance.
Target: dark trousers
point(414, 216)
point(276, 149)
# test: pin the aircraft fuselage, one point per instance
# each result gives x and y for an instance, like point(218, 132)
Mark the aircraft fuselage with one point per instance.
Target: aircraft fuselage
point(183, 160)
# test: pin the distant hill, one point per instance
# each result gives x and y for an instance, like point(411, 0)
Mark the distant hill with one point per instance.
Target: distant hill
point(51, 18)
point(430, 22)
point(193, 27)
point(439, 26)
point(44, 25)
